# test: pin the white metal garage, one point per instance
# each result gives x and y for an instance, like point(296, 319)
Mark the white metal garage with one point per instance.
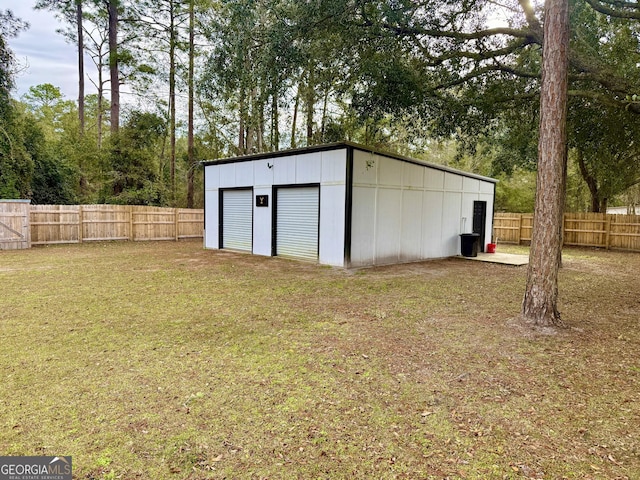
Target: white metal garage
point(345, 205)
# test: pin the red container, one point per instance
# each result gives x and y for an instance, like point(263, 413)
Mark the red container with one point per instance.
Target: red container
point(491, 248)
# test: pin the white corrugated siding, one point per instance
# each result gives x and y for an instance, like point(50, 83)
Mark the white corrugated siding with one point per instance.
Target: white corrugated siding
point(237, 219)
point(297, 222)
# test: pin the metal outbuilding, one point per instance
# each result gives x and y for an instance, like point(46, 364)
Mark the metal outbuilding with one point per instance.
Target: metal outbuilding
point(345, 205)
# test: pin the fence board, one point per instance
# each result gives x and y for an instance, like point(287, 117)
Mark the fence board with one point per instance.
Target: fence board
point(625, 232)
point(506, 227)
point(153, 223)
point(620, 232)
point(54, 224)
point(190, 223)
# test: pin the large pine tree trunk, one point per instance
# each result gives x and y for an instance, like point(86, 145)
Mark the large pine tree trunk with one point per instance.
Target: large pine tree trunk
point(113, 66)
point(190, 142)
point(172, 99)
point(80, 66)
point(540, 305)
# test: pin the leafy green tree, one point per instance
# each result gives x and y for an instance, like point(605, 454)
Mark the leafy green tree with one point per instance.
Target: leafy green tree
point(65, 159)
point(47, 104)
point(631, 199)
point(80, 153)
point(54, 178)
point(16, 164)
point(257, 64)
point(232, 75)
point(606, 142)
point(601, 134)
point(134, 169)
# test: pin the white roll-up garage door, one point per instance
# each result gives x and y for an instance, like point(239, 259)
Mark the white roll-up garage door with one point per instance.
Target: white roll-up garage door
point(297, 222)
point(237, 219)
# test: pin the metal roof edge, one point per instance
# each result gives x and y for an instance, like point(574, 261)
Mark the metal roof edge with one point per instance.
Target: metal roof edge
point(343, 144)
point(278, 153)
point(423, 163)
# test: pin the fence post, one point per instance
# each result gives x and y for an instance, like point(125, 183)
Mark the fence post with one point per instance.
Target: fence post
point(607, 235)
point(131, 235)
point(176, 223)
point(519, 229)
point(562, 228)
point(80, 223)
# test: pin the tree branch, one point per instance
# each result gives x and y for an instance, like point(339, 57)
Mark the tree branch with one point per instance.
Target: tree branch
point(622, 10)
point(633, 107)
point(532, 20)
point(434, 61)
point(451, 34)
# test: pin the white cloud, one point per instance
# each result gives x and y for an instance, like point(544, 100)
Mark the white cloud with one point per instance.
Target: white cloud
point(43, 54)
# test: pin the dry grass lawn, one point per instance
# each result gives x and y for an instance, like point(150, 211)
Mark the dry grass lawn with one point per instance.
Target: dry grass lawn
point(166, 361)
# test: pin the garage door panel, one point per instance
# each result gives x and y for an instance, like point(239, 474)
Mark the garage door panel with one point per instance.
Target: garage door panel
point(297, 220)
point(237, 220)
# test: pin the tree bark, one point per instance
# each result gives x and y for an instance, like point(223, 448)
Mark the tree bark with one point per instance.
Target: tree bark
point(80, 66)
point(540, 304)
point(172, 99)
point(114, 71)
point(311, 101)
point(294, 120)
point(241, 127)
point(591, 182)
point(323, 128)
point(258, 121)
point(190, 81)
point(251, 122)
point(275, 129)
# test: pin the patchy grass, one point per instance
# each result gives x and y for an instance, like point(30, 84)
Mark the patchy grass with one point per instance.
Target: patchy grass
point(165, 361)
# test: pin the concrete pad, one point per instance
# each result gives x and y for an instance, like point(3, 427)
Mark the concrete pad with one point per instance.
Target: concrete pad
point(503, 258)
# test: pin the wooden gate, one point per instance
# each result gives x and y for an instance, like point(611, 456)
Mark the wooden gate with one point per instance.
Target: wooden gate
point(15, 231)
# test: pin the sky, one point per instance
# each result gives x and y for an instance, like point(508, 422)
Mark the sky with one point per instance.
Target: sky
point(43, 56)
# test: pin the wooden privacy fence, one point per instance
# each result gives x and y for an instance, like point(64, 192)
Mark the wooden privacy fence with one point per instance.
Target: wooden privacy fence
point(51, 224)
point(620, 232)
